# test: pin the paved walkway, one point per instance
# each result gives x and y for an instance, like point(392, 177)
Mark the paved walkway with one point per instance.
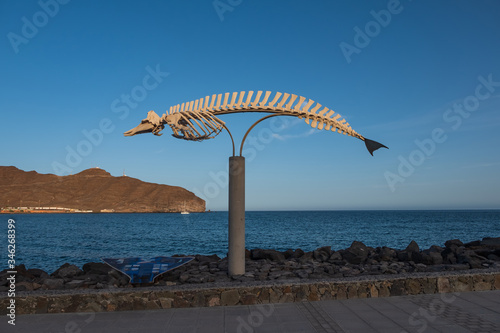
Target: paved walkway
point(460, 312)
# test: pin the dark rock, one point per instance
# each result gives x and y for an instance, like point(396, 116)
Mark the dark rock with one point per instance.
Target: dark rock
point(458, 267)
point(114, 274)
point(307, 257)
point(449, 256)
point(473, 244)
point(493, 257)
point(123, 280)
point(336, 256)
point(98, 268)
point(267, 254)
point(208, 259)
point(492, 242)
point(385, 254)
point(91, 279)
point(24, 286)
point(74, 284)
point(471, 258)
point(412, 247)
point(183, 278)
point(323, 253)
point(21, 269)
point(330, 270)
point(53, 284)
point(435, 248)
point(67, 271)
point(22, 274)
point(38, 273)
point(411, 253)
point(453, 242)
point(430, 257)
point(298, 253)
point(484, 252)
point(288, 253)
point(199, 278)
point(356, 253)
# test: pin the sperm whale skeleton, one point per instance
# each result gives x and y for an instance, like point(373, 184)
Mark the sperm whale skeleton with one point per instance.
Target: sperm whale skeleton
point(197, 120)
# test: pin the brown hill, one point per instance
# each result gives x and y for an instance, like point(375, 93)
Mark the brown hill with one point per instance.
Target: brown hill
point(93, 189)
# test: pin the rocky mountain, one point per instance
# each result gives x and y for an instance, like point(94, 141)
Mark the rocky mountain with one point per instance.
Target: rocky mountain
point(93, 189)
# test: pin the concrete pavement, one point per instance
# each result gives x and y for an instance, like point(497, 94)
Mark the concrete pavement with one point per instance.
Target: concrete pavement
point(459, 312)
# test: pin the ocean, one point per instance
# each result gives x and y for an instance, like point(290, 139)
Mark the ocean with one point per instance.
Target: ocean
point(47, 241)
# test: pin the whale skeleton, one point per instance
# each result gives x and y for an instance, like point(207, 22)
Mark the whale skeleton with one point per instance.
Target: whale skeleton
point(196, 120)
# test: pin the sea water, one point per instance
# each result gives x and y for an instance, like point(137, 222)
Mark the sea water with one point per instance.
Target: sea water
point(47, 241)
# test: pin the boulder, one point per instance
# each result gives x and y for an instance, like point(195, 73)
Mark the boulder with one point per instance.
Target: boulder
point(74, 284)
point(411, 253)
point(430, 257)
point(412, 247)
point(323, 253)
point(471, 258)
point(493, 257)
point(22, 274)
point(297, 254)
point(435, 248)
point(453, 242)
point(67, 271)
point(52, 284)
point(473, 244)
point(288, 253)
point(267, 254)
point(336, 256)
point(449, 256)
point(492, 242)
point(484, 252)
point(98, 268)
point(24, 286)
point(208, 259)
point(38, 273)
point(356, 253)
point(307, 257)
point(385, 254)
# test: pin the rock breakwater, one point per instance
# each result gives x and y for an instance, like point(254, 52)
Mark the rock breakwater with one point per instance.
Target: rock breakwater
point(268, 266)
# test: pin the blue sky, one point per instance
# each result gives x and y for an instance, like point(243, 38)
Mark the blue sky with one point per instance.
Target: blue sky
point(422, 77)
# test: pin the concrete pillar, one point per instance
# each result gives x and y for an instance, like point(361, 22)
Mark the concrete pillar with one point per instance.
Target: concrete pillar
point(236, 253)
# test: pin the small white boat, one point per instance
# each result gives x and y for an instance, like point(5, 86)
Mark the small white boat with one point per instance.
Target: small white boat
point(184, 211)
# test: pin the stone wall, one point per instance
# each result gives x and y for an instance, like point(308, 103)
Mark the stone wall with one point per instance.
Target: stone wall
point(123, 299)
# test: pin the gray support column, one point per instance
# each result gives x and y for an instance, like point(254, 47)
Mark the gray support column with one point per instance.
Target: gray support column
point(236, 253)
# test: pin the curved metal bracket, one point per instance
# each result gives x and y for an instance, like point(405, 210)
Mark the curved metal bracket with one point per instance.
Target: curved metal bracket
point(251, 127)
point(232, 140)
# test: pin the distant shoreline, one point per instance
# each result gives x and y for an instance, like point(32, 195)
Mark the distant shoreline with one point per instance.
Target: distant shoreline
point(69, 212)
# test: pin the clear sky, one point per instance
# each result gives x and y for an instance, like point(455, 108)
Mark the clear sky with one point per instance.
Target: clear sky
point(422, 77)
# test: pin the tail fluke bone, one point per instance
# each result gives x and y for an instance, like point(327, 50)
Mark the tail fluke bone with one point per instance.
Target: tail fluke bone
point(373, 145)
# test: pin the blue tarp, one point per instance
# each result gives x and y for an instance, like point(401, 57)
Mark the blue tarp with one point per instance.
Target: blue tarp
point(145, 270)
